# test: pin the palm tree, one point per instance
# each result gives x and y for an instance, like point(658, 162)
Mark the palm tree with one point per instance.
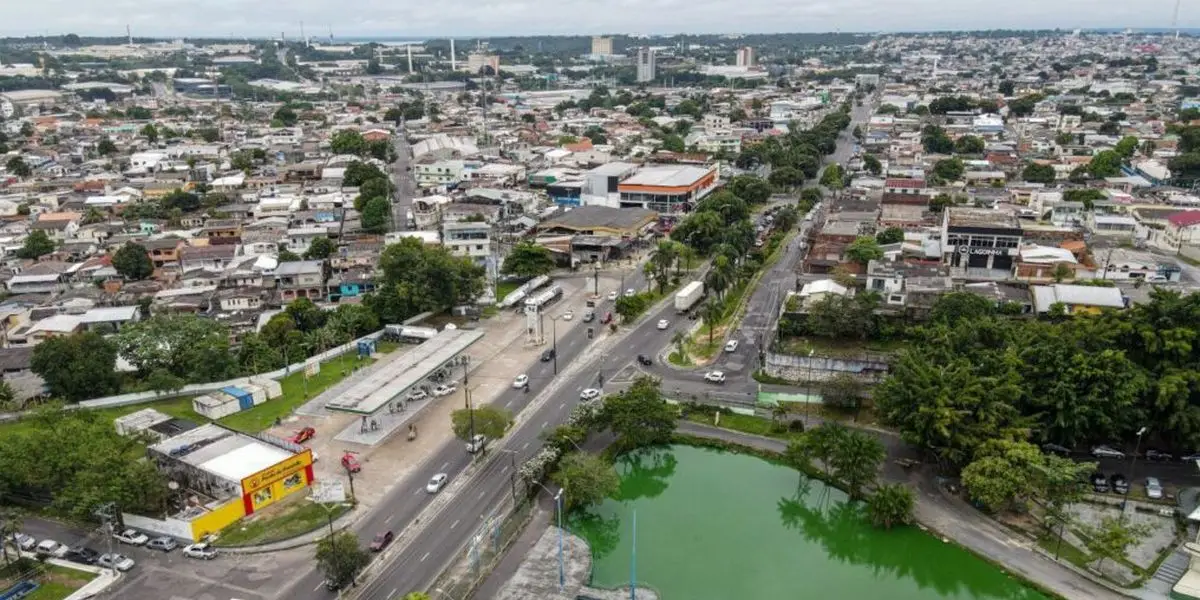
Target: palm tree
point(678, 340)
point(662, 257)
point(687, 254)
point(720, 275)
point(891, 505)
point(711, 314)
point(10, 525)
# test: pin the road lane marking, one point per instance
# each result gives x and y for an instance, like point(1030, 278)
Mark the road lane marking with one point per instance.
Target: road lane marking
point(563, 405)
point(482, 493)
point(546, 424)
point(424, 557)
point(454, 524)
point(444, 465)
point(392, 594)
point(525, 446)
point(508, 404)
point(389, 519)
point(319, 586)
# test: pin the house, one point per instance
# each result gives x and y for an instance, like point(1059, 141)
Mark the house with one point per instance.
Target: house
point(57, 230)
point(898, 283)
point(209, 257)
point(164, 251)
point(1076, 299)
point(1183, 229)
point(471, 239)
point(815, 291)
point(299, 279)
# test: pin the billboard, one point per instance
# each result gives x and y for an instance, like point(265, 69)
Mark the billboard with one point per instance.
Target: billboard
point(276, 472)
point(277, 482)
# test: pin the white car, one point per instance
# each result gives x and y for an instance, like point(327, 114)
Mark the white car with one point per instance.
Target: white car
point(437, 483)
point(201, 551)
point(51, 548)
point(1153, 488)
point(445, 390)
point(1107, 452)
point(417, 395)
point(521, 381)
point(119, 562)
point(714, 377)
point(629, 292)
point(663, 324)
point(131, 536)
point(477, 443)
point(567, 316)
point(613, 295)
point(731, 346)
point(25, 542)
point(589, 394)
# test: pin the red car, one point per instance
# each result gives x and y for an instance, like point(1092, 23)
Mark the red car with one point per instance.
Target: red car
point(350, 463)
point(303, 435)
point(607, 319)
point(381, 541)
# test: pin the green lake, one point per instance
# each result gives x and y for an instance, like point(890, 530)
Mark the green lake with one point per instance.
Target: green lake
point(714, 525)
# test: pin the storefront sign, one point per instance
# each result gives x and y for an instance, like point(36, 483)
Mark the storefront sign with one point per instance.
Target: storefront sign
point(992, 251)
point(273, 473)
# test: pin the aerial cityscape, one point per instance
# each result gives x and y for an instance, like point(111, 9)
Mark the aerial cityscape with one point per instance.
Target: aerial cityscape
point(896, 307)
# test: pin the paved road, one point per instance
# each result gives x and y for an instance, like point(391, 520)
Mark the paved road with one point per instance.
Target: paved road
point(406, 188)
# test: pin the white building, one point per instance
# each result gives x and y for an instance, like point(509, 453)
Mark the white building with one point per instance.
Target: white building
point(471, 239)
point(645, 64)
point(745, 56)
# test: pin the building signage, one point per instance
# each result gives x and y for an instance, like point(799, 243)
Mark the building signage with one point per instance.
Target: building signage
point(992, 251)
point(276, 472)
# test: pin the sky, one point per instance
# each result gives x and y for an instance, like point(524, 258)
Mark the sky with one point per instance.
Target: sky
point(472, 18)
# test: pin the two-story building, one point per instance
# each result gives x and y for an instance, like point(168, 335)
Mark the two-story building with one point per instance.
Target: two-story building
point(979, 243)
point(471, 239)
point(299, 279)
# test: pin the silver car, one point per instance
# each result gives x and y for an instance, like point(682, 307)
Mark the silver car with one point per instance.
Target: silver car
point(1154, 489)
point(119, 562)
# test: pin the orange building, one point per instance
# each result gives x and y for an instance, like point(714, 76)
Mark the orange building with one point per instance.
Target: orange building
point(668, 189)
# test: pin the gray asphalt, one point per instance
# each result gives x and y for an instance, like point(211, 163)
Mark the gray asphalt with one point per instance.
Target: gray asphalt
point(402, 179)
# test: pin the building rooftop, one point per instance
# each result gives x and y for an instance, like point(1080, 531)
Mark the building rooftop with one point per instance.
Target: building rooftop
point(980, 217)
point(600, 217)
point(667, 176)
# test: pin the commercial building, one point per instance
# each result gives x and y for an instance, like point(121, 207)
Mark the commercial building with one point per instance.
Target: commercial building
point(471, 239)
point(602, 45)
point(668, 189)
point(645, 64)
point(225, 475)
point(745, 56)
point(978, 243)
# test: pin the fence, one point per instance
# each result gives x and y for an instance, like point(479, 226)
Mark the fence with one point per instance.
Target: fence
point(484, 549)
point(869, 366)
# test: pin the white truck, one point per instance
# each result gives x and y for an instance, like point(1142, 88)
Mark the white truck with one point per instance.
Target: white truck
point(687, 297)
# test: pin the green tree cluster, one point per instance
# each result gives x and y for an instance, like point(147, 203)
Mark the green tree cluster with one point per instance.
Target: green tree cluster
point(78, 366)
point(417, 278)
point(528, 259)
point(639, 416)
point(132, 262)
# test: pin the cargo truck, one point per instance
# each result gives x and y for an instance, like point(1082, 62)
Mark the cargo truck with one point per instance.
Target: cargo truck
point(687, 297)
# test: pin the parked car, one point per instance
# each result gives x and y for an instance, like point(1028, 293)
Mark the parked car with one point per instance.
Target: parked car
point(477, 443)
point(1099, 482)
point(1158, 455)
point(417, 395)
point(1190, 457)
point(1153, 488)
point(131, 536)
point(520, 381)
point(116, 561)
point(613, 295)
point(51, 548)
point(1107, 452)
point(445, 389)
point(1056, 449)
point(201, 551)
point(350, 463)
point(607, 318)
point(589, 394)
point(303, 435)
point(381, 541)
point(714, 377)
point(164, 543)
point(547, 355)
point(436, 484)
point(644, 360)
point(1119, 484)
point(82, 555)
point(567, 316)
point(629, 293)
point(25, 542)
point(731, 346)
point(663, 324)
point(589, 316)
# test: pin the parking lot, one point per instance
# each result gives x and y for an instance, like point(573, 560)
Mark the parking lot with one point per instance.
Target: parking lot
point(171, 576)
point(1174, 474)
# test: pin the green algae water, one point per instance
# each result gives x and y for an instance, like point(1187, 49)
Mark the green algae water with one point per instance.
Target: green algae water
point(714, 525)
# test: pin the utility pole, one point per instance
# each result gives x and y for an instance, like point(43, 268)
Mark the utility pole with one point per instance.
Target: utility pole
point(107, 513)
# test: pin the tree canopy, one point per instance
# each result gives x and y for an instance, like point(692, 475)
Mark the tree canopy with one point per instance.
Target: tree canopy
point(78, 366)
point(639, 416)
point(417, 278)
point(132, 262)
point(528, 259)
point(586, 479)
point(192, 348)
point(37, 244)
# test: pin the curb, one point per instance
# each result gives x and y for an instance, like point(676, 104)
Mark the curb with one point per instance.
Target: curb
point(341, 524)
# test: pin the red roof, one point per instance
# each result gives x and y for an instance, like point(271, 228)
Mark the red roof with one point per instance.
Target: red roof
point(913, 184)
point(1185, 218)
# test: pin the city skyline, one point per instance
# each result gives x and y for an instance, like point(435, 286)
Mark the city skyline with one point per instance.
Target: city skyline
point(468, 18)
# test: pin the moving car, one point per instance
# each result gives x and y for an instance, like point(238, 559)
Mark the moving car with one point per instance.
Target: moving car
point(131, 536)
point(445, 389)
point(714, 377)
point(612, 295)
point(607, 318)
point(164, 543)
point(437, 483)
point(25, 542)
point(589, 394)
point(589, 316)
point(629, 293)
point(50, 548)
point(417, 395)
point(82, 555)
point(644, 360)
point(477, 443)
point(201, 551)
point(1158, 455)
point(1153, 488)
point(1056, 449)
point(663, 324)
point(731, 346)
point(116, 561)
point(547, 355)
point(567, 316)
point(1099, 482)
point(1107, 452)
point(350, 463)
point(521, 381)
point(1119, 484)
point(303, 435)
point(381, 541)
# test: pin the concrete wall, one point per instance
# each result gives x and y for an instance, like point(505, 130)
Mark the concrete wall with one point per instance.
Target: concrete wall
point(175, 528)
point(869, 367)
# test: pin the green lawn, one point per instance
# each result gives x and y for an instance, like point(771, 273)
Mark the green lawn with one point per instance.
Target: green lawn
point(56, 583)
point(504, 288)
point(745, 424)
point(383, 346)
point(290, 518)
point(296, 391)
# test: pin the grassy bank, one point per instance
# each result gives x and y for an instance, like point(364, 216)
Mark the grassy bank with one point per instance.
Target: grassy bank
point(279, 522)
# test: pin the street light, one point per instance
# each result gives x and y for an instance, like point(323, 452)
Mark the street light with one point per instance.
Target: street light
point(1132, 466)
point(558, 500)
point(554, 342)
point(808, 398)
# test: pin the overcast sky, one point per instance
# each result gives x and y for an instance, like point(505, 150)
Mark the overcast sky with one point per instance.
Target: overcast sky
point(468, 18)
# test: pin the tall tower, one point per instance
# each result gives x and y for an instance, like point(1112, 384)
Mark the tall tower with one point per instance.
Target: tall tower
point(1175, 20)
point(453, 61)
point(408, 47)
point(745, 56)
point(129, 34)
point(645, 64)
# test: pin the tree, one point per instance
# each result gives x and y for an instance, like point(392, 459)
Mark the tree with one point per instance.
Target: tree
point(132, 262)
point(751, 189)
point(106, 147)
point(320, 249)
point(1112, 537)
point(949, 169)
point(341, 558)
point(1109, 128)
point(956, 307)
point(528, 259)
point(417, 278)
point(585, 480)
point(565, 438)
point(187, 346)
point(1038, 173)
point(935, 140)
point(1062, 271)
point(864, 250)
point(969, 144)
point(357, 173)
point(11, 523)
point(37, 244)
point(348, 141)
point(843, 391)
point(891, 235)
point(1126, 147)
point(832, 177)
point(786, 177)
point(999, 477)
point(1106, 163)
point(285, 116)
point(490, 421)
point(673, 143)
point(639, 416)
point(872, 164)
point(891, 505)
point(150, 132)
point(710, 314)
point(78, 366)
point(856, 459)
point(1005, 87)
point(375, 215)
